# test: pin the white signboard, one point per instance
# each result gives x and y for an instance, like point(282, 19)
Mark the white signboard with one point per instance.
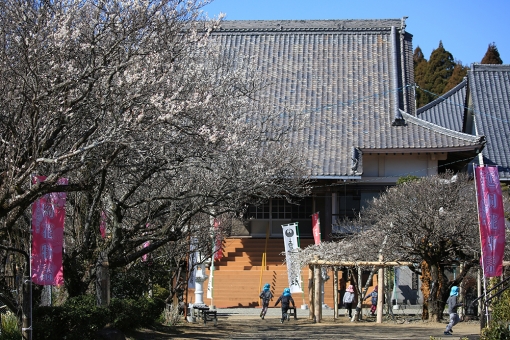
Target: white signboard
point(290, 239)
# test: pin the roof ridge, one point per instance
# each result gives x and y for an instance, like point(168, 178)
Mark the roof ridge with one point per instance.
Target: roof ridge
point(443, 97)
point(309, 25)
point(440, 129)
point(489, 67)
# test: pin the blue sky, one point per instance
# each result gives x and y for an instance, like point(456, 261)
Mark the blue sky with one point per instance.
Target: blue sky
point(465, 27)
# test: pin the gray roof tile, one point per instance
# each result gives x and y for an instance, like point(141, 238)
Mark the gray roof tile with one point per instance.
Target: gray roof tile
point(351, 76)
point(448, 109)
point(488, 89)
point(489, 86)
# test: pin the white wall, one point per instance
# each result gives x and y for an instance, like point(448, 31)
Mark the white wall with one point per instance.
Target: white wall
point(393, 166)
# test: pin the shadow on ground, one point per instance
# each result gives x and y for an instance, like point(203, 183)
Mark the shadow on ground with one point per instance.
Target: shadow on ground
point(255, 328)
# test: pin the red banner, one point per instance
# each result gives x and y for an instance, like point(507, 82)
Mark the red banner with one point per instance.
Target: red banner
point(491, 219)
point(316, 228)
point(218, 251)
point(102, 224)
point(48, 215)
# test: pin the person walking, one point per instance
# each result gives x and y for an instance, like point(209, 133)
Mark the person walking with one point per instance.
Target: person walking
point(266, 296)
point(286, 299)
point(348, 299)
point(452, 310)
point(373, 300)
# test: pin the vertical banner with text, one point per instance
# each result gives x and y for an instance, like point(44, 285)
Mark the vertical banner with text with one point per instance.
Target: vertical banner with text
point(102, 224)
point(316, 228)
point(192, 262)
point(491, 219)
point(48, 214)
point(290, 239)
point(217, 248)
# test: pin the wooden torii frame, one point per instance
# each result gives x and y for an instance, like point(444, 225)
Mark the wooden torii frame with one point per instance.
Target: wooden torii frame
point(315, 281)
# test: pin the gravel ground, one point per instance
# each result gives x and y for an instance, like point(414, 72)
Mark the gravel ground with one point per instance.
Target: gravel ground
point(245, 323)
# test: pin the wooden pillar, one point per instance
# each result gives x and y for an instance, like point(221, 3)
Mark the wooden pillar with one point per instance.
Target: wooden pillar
point(317, 292)
point(311, 310)
point(335, 292)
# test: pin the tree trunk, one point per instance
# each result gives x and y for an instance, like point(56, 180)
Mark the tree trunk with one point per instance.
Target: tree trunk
point(103, 281)
point(433, 290)
point(425, 289)
point(27, 309)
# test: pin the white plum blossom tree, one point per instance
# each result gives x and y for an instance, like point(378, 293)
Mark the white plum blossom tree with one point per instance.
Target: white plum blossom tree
point(152, 122)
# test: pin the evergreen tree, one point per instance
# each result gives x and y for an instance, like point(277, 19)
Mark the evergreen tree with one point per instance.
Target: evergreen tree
point(420, 73)
point(438, 71)
point(492, 55)
point(459, 72)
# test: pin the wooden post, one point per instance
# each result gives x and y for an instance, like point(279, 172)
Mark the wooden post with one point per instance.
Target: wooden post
point(335, 292)
point(311, 310)
point(317, 292)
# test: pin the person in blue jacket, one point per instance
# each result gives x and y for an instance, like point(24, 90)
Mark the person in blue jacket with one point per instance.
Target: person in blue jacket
point(286, 299)
point(265, 296)
point(373, 300)
point(452, 310)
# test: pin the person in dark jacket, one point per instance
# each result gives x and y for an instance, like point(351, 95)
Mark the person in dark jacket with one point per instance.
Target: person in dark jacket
point(373, 300)
point(265, 296)
point(286, 299)
point(452, 310)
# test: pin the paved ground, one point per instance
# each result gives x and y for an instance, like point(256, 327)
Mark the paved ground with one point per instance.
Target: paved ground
point(246, 324)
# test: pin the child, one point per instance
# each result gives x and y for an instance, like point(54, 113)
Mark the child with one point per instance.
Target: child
point(265, 295)
point(452, 310)
point(286, 299)
point(373, 295)
point(348, 299)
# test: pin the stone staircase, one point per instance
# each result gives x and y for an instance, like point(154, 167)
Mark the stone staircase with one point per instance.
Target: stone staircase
point(239, 275)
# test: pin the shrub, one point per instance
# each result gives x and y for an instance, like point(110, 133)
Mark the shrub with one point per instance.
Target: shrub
point(171, 315)
point(130, 313)
point(78, 318)
point(500, 319)
point(9, 329)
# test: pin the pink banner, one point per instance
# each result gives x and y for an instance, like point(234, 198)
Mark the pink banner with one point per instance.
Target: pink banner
point(491, 219)
point(48, 215)
point(146, 257)
point(316, 228)
point(218, 251)
point(102, 224)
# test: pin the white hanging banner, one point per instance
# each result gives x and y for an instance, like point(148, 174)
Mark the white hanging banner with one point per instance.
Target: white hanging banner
point(290, 239)
point(192, 262)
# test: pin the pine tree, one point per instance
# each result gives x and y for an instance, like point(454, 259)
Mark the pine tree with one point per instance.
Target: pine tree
point(492, 55)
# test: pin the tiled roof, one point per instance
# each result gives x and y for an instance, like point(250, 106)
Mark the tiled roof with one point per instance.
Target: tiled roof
point(351, 77)
point(489, 87)
point(448, 109)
